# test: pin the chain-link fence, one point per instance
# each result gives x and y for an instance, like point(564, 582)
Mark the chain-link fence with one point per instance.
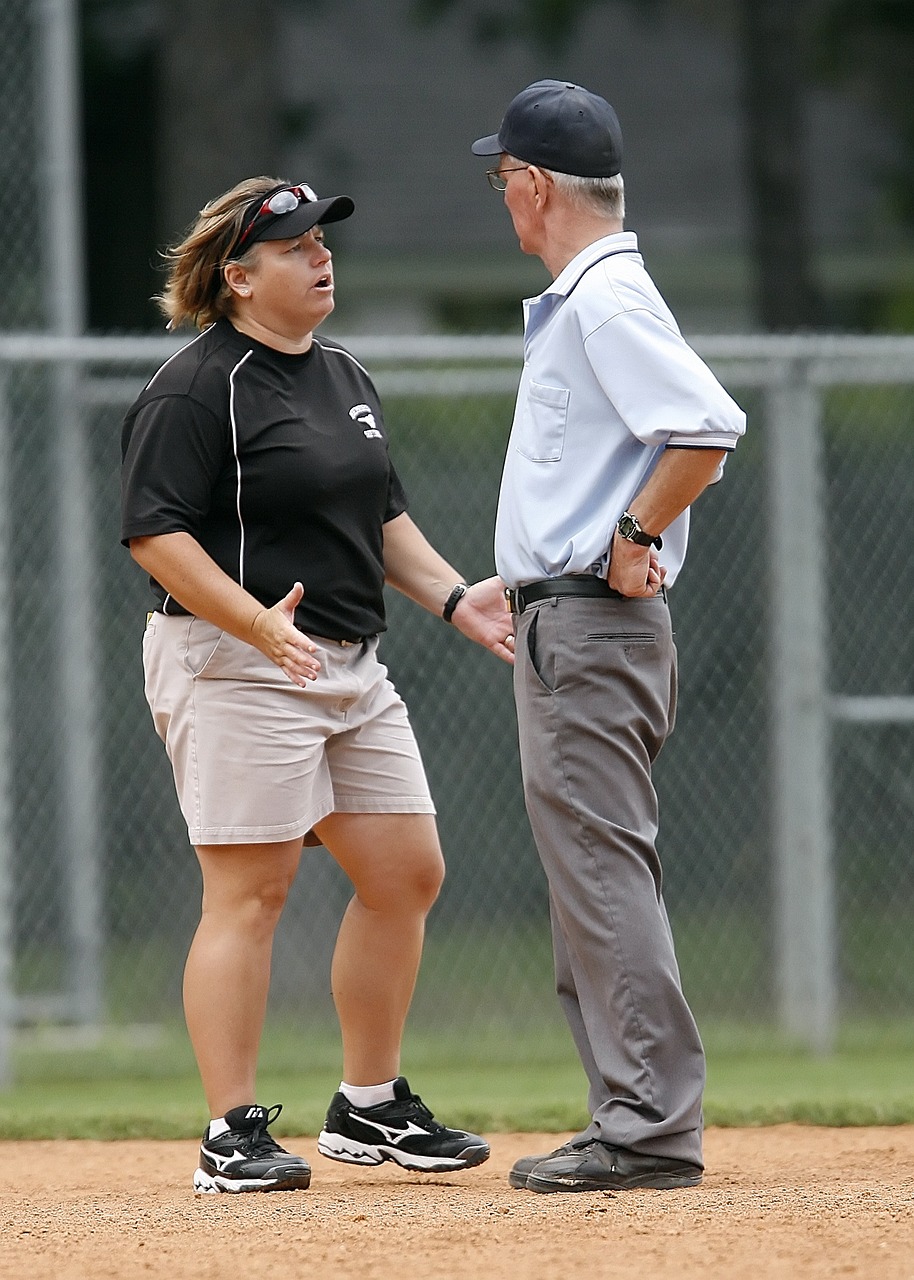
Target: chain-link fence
point(790, 892)
point(786, 791)
point(20, 133)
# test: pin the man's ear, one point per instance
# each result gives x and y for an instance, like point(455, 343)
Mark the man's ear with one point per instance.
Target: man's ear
point(542, 184)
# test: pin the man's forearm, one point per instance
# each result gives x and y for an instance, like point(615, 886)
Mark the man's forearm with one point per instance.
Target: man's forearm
point(677, 480)
point(679, 477)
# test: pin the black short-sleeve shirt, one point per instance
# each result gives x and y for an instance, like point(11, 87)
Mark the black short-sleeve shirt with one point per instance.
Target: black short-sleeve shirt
point(277, 465)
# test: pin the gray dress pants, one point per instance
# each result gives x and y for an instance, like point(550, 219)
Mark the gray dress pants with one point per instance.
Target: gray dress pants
point(595, 688)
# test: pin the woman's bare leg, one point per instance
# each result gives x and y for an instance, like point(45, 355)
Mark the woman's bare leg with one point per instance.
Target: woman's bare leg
point(227, 975)
point(394, 862)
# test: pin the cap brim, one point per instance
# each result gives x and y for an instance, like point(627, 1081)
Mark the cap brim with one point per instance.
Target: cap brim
point(490, 146)
point(286, 226)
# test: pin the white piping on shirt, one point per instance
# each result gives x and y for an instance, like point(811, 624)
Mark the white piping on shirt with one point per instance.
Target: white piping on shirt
point(175, 356)
point(234, 426)
point(146, 388)
point(338, 351)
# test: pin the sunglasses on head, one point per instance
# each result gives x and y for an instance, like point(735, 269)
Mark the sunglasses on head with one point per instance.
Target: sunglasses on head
point(284, 201)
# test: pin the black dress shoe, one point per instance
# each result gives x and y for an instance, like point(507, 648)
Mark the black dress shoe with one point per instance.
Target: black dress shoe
point(598, 1167)
point(526, 1164)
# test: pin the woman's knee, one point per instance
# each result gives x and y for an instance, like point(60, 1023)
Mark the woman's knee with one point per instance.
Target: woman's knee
point(425, 880)
point(245, 888)
point(393, 860)
point(411, 885)
point(257, 906)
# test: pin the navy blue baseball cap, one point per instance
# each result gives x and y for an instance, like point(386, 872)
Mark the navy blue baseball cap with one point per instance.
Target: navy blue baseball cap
point(559, 126)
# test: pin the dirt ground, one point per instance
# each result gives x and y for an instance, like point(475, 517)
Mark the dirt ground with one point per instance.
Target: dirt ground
point(786, 1201)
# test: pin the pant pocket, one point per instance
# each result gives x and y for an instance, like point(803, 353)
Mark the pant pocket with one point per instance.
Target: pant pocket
point(624, 637)
point(541, 654)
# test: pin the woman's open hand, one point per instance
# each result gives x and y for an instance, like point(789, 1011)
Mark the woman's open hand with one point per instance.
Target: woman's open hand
point(482, 615)
point(275, 634)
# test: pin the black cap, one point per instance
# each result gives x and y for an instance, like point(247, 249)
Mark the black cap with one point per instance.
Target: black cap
point(559, 126)
point(307, 213)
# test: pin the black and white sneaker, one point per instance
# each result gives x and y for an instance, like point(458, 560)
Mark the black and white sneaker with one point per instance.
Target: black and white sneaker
point(247, 1159)
point(404, 1131)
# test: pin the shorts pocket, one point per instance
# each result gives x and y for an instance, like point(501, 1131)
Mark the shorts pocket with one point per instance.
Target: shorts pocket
point(542, 434)
point(203, 642)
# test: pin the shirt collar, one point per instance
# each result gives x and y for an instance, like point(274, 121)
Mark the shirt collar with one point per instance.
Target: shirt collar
point(619, 242)
point(538, 310)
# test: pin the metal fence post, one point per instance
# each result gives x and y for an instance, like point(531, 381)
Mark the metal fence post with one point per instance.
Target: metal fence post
point(805, 935)
point(7, 987)
point(81, 839)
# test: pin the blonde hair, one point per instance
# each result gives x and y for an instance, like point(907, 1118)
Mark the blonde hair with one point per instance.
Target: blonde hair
point(195, 290)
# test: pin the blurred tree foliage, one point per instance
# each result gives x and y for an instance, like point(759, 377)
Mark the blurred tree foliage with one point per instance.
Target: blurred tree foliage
point(548, 24)
point(868, 45)
point(167, 81)
point(864, 45)
point(121, 183)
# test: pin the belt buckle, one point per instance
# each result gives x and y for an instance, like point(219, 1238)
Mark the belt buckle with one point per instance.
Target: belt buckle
point(515, 599)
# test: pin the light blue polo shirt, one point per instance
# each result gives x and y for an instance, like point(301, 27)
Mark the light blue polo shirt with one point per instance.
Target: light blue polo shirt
point(608, 383)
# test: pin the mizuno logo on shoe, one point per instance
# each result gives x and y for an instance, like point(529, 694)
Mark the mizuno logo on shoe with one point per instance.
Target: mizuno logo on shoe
point(223, 1161)
point(402, 1130)
point(392, 1133)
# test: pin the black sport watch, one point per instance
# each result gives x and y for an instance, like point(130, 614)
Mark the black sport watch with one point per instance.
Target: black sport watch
point(629, 528)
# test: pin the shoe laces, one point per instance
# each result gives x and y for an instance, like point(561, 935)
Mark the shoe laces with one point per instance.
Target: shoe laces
point(416, 1108)
point(258, 1142)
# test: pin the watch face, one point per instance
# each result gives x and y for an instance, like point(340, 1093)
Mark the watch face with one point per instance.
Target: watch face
point(626, 526)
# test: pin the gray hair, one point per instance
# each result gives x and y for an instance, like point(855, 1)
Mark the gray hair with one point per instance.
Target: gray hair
point(605, 196)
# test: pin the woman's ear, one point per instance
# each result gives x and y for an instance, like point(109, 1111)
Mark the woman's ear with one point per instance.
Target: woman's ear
point(236, 277)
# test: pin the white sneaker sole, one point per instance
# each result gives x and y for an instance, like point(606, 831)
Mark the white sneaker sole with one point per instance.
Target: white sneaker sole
point(206, 1184)
point(337, 1147)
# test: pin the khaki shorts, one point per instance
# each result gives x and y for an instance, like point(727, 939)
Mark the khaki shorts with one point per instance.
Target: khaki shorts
point(257, 759)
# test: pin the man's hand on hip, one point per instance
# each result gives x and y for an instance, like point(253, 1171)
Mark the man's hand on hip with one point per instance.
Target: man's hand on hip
point(634, 570)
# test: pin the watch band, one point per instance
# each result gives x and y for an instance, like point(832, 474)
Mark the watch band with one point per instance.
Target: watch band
point(451, 603)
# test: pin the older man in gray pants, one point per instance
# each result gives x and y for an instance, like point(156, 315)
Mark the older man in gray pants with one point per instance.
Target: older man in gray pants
point(619, 426)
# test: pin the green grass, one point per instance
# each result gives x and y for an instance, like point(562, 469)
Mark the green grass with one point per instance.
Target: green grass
point(754, 1080)
point(141, 1082)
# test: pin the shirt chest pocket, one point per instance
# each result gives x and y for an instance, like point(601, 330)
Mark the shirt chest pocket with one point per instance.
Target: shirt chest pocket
point(542, 429)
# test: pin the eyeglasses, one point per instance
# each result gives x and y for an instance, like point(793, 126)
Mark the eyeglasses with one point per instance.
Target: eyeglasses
point(284, 201)
point(497, 180)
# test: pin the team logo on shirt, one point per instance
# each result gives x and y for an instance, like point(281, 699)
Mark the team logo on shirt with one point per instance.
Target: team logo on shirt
point(362, 413)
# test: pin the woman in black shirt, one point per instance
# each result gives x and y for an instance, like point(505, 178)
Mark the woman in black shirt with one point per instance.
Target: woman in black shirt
point(259, 496)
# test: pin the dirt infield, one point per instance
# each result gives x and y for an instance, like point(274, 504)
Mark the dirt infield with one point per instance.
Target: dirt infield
point(794, 1202)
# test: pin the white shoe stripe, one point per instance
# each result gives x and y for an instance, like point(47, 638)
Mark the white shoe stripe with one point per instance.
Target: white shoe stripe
point(338, 1147)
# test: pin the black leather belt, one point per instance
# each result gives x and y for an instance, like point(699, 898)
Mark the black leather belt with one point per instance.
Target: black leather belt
point(571, 584)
